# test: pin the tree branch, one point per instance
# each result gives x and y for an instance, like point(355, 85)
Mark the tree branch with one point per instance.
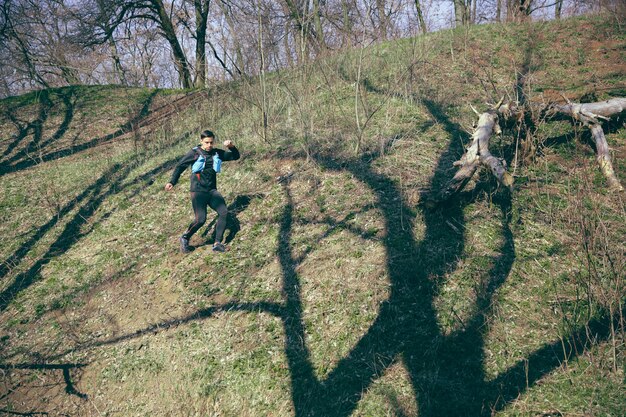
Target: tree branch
point(477, 154)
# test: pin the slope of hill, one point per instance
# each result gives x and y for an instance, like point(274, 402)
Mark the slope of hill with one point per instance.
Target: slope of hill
point(340, 295)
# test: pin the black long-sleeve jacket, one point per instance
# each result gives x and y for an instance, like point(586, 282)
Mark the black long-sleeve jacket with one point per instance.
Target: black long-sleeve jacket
point(206, 180)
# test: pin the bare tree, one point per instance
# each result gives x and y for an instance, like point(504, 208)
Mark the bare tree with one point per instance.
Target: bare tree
point(14, 40)
point(135, 42)
point(420, 17)
point(92, 17)
point(305, 20)
point(36, 35)
point(521, 10)
point(558, 7)
point(383, 20)
point(235, 36)
point(462, 15)
point(166, 17)
point(142, 57)
point(202, 17)
point(156, 11)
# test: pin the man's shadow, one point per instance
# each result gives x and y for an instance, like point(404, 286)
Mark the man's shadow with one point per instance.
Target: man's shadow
point(233, 226)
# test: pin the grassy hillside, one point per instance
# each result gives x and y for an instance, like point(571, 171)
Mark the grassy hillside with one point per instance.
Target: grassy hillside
point(341, 294)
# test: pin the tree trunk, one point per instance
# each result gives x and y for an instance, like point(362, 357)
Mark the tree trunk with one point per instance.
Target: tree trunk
point(202, 17)
point(347, 24)
point(461, 13)
point(478, 152)
point(239, 61)
point(519, 10)
point(558, 7)
point(589, 114)
point(499, 10)
point(117, 63)
point(510, 10)
point(420, 17)
point(287, 46)
point(474, 12)
point(382, 19)
point(604, 157)
point(524, 9)
point(180, 60)
point(300, 28)
point(319, 30)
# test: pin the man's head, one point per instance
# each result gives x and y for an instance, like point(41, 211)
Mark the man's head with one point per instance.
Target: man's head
point(207, 140)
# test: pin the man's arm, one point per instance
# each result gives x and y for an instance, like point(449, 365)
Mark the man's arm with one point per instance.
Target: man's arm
point(232, 154)
point(184, 162)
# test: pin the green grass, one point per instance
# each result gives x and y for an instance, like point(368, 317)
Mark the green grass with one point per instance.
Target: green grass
point(340, 295)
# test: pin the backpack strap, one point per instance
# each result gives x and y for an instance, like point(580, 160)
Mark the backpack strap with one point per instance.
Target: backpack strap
point(198, 165)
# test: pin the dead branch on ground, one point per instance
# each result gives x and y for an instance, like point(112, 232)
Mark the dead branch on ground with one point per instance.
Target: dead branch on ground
point(477, 154)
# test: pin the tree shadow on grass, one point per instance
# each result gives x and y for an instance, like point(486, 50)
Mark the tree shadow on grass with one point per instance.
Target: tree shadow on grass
point(65, 369)
point(23, 128)
point(71, 233)
point(406, 326)
point(14, 260)
point(35, 147)
point(446, 369)
point(82, 222)
point(24, 159)
point(233, 226)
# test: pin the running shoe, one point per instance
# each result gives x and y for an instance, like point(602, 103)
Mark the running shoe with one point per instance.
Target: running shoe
point(219, 247)
point(184, 245)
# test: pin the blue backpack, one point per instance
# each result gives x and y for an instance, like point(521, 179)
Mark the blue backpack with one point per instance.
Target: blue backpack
point(198, 166)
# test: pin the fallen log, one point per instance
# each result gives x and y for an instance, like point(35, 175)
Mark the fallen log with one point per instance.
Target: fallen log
point(590, 114)
point(477, 153)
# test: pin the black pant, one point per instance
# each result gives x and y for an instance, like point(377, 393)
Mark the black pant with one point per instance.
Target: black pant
point(200, 201)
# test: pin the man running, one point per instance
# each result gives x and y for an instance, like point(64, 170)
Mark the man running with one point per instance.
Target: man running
point(206, 160)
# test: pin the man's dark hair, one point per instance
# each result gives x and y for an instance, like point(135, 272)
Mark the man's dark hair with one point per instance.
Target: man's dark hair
point(207, 134)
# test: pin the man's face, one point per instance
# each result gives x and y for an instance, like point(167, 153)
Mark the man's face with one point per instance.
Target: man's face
point(207, 143)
